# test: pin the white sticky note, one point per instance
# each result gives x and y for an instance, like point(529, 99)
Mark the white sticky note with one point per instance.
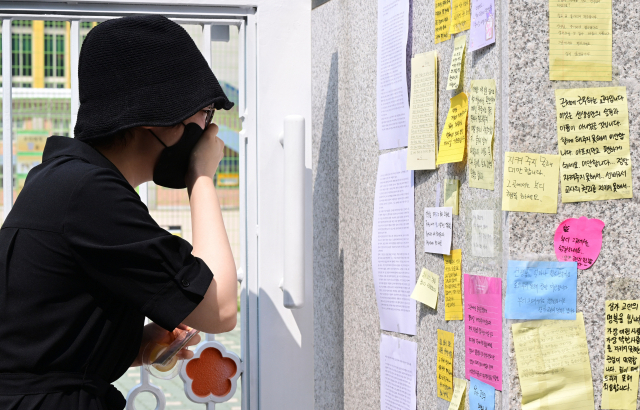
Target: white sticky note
point(437, 230)
point(482, 233)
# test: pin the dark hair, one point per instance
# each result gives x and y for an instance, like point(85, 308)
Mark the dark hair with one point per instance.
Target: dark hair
point(121, 137)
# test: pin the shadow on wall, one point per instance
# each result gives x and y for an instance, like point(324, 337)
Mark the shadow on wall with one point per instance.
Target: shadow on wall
point(328, 262)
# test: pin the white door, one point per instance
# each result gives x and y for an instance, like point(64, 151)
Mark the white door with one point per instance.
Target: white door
point(274, 82)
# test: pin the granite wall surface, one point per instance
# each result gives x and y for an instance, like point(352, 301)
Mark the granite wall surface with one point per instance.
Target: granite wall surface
point(345, 160)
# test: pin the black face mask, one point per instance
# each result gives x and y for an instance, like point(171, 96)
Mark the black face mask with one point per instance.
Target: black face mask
point(171, 169)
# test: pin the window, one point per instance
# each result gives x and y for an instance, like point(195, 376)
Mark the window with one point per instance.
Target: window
point(21, 54)
point(55, 40)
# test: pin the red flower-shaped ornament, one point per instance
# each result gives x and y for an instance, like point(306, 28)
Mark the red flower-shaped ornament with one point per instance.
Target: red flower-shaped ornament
point(212, 374)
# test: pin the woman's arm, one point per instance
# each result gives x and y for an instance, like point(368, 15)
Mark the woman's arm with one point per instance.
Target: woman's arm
point(217, 312)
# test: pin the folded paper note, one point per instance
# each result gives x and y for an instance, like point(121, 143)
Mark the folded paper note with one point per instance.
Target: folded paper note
point(454, 135)
point(530, 182)
point(541, 290)
point(483, 329)
point(426, 290)
point(460, 385)
point(579, 240)
point(553, 364)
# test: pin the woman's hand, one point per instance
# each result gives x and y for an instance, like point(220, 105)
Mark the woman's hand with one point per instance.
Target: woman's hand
point(206, 155)
point(153, 333)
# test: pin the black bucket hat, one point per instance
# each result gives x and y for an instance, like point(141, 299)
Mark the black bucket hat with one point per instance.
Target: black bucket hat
point(141, 70)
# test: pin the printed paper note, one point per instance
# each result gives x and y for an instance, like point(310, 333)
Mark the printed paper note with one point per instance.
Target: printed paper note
point(445, 365)
point(426, 290)
point(443, 19)
point(482, 396)
point(579, 240)
point(452, 195)
point(392, 99)
point(453, 285)
point(483, 329)
point(482, 233)
point(460, 16)
point(580, 40)
point(553, 364)
point(482, 24)
point(593, 140)
point(457, 61)
point(541, 290)
point(393, 244)
point(398, 359)
point(621, 354)
point(459, 386)
point(437, 230)
point(454, 135)
point(422, 112)
point(530, 183)
point(482, 109)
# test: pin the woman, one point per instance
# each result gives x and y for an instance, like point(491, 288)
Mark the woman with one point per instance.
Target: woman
point(81, 260)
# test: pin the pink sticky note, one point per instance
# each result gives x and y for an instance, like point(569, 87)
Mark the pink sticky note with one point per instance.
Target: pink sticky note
point(483, 329)
point(579, 240)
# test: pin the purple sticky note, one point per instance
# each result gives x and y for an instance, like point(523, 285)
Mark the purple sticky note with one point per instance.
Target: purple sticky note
point(483, 23)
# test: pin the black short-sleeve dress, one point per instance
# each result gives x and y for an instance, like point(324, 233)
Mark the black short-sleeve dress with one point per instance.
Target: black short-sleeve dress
point(81, 264)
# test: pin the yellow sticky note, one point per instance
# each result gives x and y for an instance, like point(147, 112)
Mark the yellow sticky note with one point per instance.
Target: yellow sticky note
point(423, 118)
point(530, 182)
point(459, 387)
point(593, 141)
point(426, 290)
point(580, 40)
point(453, 285)
point(621, 357)
point(452, 195)
point(482, 109)
point(442, 19)
point(457, 62)
point(460, 16)
point(553, 364)
point(445, 365)
point(454, 134)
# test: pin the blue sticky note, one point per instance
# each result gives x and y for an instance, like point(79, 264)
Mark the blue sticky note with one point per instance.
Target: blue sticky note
point(482, 396)
point(541, 290)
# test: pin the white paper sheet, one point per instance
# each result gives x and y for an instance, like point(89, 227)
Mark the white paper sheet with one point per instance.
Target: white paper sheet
point(438, 223)
point(482, 233)
point(392, 97)
point(393, 244)
point(398, 360)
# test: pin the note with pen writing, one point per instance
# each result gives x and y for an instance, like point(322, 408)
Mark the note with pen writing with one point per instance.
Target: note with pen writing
point(483, 329)
point(482, 233)
point(593, 141)
point(459, 386)
point(482, 396)
point(541, 290)
point(423, 109)
point(437, 230)
point(482, 110)
point(530, 182)
point(457, 62)
point(453, 285)
point(454, 133)
point(442, 19)
point(452, 195)
point(553, 364)
point(580, 41)
point(460, 16)
point(426, 290)
point(445, 365)
point(621, 354)
point(578, 240)
point(482, 24)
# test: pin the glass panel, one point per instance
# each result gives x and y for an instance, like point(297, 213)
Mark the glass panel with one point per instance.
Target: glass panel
point(170, 208)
